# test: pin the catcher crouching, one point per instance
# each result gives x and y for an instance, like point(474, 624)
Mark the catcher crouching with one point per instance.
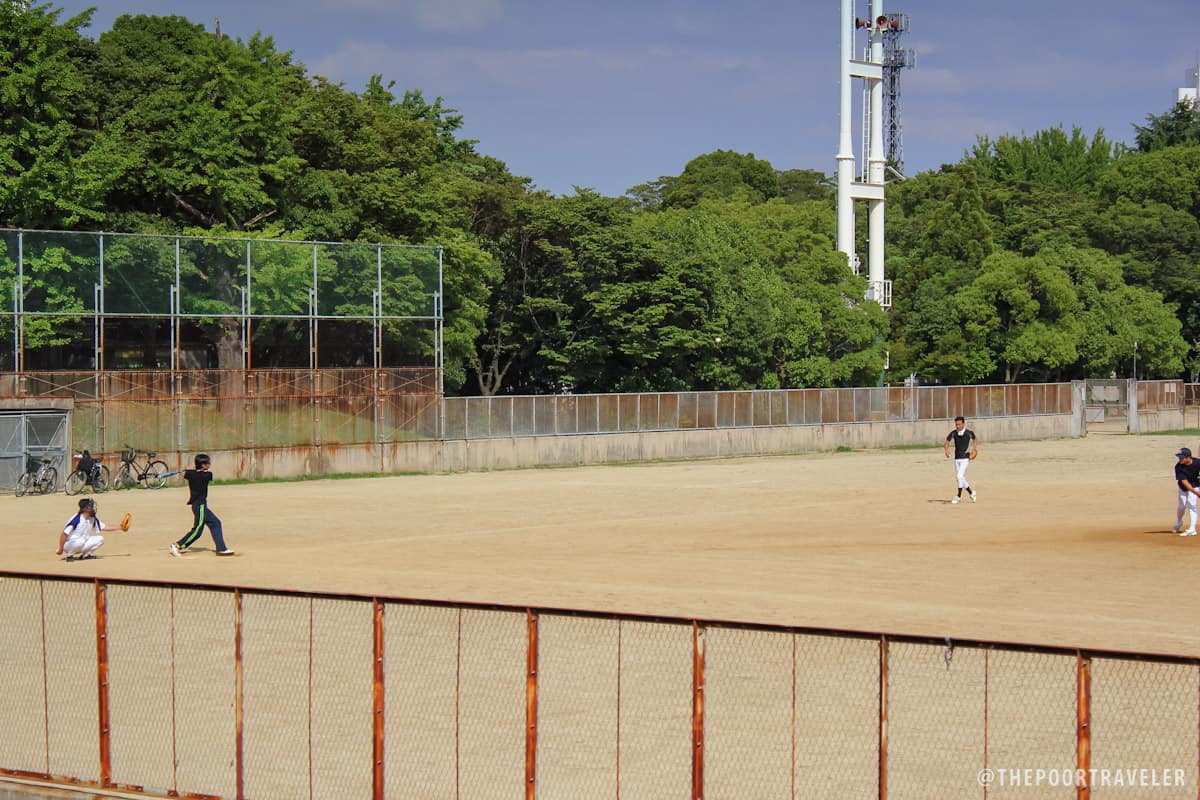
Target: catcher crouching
point(81, 538)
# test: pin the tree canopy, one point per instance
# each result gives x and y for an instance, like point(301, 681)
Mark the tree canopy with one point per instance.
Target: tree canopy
point(1046, 256)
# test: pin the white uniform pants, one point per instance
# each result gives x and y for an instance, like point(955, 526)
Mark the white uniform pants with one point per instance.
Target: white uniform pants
point(960, 468)
point(1186, 500)
point(83, 546)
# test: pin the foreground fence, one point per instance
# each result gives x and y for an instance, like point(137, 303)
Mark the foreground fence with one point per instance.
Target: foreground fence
point(229, 692)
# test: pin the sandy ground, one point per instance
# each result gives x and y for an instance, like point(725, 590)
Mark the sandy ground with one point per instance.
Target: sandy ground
point(1069, 544)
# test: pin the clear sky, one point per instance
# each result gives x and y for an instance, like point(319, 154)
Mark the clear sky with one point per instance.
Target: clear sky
point(611, 94)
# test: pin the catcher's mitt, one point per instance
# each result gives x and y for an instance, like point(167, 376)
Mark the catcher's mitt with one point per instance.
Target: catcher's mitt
point(126, 520)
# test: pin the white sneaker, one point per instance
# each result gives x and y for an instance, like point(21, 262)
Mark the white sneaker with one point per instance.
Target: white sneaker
point(1188, 533)
point(956, 501)
point(174, 548)
point(972, 497)
point(226, 552)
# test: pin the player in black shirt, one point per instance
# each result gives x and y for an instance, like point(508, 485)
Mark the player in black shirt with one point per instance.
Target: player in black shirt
point(1187, 479)
point(966, 447)
point(198, 480)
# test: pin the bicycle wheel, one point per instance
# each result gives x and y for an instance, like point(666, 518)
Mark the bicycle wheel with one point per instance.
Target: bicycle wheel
point(76, 482)
point(102, 480)
point(124, 479)
point(25, 484)
point(49, 481)
point(154, 474)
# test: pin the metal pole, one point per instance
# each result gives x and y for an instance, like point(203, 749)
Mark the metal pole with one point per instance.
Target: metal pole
point(883, 716)
point(378, 699)
point(95, 327)
point(378, 339)
point(16, 326)
point(239, 686)
point(100, 310)
point(531, 705)
point(312, 323)
point(875, 165)
point(697, 712)
point(176, 313)
point(845, 154)
point(102, 683)
point(248, 354)
point(20, 332)
point(1083, 707)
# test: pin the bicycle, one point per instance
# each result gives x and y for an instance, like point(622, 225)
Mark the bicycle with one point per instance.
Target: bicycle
point(40, 477)
point(90, 472)
point(153, 475)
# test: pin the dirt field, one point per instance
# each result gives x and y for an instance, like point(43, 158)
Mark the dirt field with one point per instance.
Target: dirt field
point(1069, 543)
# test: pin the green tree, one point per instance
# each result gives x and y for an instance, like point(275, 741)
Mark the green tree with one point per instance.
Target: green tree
point(55, 168)
point(1047, 158)
point(721, 175)
point(1180, 125)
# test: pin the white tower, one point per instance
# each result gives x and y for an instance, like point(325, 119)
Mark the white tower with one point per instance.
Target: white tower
point(849, 190)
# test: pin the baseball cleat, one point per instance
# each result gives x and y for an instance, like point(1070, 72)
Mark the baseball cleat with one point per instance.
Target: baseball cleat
point(175, 551)
point(1188, 533)
point(226, 552)
point(1177, 526)
point(956, 501)
point(972, 497)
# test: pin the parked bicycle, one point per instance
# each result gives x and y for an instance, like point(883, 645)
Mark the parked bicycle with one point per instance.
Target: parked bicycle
point(40, 477)
point(153, 474)
point(89, 474)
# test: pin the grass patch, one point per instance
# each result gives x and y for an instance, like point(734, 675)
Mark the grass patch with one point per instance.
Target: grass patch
point(841, 448)
point(915, 447)
point(1183, 432)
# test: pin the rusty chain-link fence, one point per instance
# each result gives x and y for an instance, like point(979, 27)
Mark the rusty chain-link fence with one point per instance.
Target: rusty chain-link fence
point(248, 693)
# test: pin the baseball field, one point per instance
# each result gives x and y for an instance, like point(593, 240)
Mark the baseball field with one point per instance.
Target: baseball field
point(1069, 543)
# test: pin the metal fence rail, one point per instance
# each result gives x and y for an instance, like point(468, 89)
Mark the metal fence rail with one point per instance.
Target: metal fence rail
point(236, 692)
point(554, 415)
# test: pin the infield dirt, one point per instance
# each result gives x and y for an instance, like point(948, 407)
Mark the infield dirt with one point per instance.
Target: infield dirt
point(1068, 545)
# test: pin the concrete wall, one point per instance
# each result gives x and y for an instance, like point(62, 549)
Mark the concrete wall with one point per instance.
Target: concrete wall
point(541, 451)
point(1164, 420)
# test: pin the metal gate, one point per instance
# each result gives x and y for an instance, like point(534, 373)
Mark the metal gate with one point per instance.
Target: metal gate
point(1108, 400)
point(33, 434)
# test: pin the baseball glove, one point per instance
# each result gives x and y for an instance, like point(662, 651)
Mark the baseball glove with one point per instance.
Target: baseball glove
point(974, 453)
point(126, 520)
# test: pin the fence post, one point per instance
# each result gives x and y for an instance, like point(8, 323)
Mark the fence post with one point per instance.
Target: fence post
point(378, 702)
point(531, 705)
point(883, 716)
point(1083, 708)
point(102, 682)
point(238, 694)
point(697, 712)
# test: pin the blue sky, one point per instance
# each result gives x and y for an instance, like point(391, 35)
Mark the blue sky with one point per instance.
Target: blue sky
point(610, 94)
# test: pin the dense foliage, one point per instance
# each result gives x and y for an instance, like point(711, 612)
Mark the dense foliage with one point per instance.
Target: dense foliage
point(1042, 257)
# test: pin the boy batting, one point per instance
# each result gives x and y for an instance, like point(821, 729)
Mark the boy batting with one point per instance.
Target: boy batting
point(198, 480)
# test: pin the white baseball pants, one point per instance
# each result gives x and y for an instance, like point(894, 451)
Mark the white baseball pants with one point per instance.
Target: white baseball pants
point(960, 468)
point(1186, 500)
point(84, 546)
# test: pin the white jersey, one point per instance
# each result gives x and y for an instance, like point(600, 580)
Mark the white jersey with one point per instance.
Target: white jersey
point(80, 528)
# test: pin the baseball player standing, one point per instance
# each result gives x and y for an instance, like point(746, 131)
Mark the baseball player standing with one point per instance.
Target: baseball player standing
point(965, 445)
point(198, 480)
point(1187, 478)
